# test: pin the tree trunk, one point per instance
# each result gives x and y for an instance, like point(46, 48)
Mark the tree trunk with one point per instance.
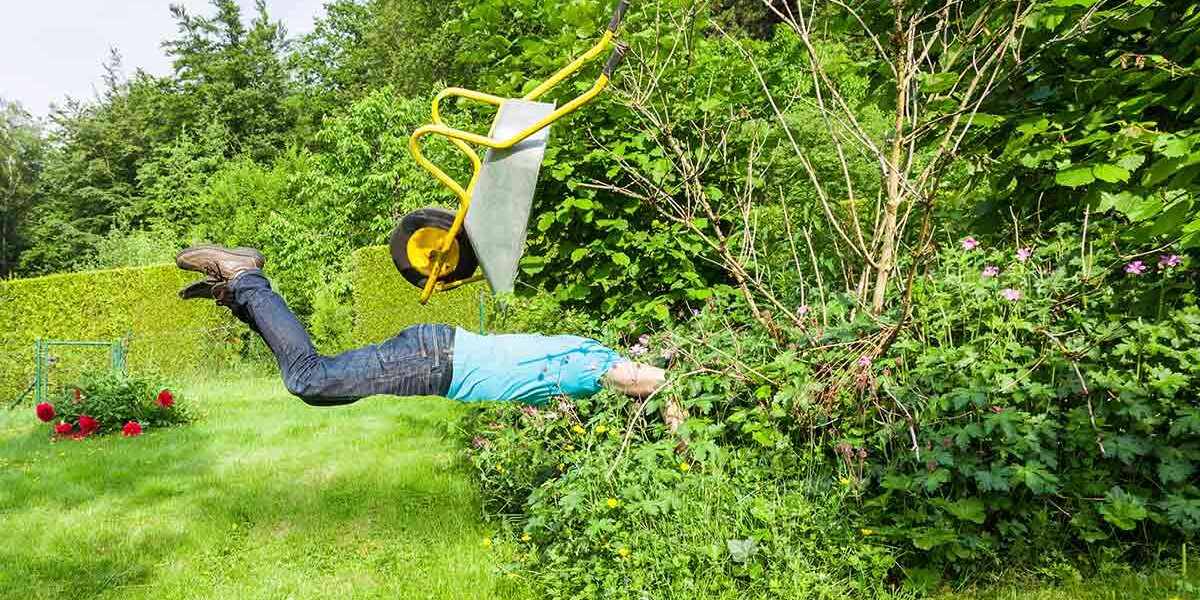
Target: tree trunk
point(888, 235)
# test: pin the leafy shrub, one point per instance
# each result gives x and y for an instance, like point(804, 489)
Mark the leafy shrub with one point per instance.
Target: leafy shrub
point(1044, 398)
point(604, 518)
point(1037, 410)
point(106, 401)
point(384, 303)
point(169, 334)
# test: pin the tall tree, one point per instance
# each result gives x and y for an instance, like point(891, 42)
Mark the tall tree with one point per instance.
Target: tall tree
point(236, 75)
point(21, 154)
point(363, 46)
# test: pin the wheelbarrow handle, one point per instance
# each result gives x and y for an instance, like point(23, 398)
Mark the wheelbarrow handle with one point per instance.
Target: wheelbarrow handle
point(614, 60)
point(617, 16)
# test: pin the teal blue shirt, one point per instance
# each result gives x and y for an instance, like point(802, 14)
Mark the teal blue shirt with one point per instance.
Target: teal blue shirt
point(527, 368)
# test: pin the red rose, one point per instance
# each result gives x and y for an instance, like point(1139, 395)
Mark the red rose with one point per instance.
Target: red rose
point(131, 429)
point(63, 428)
point(45, 412)
point(78, 393)
point(165, 399)
point(88, 425)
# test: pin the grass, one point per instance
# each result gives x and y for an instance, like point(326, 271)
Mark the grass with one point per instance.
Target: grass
point(264, 497)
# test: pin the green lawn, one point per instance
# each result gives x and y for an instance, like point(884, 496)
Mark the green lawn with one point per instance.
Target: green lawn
point(264, 497)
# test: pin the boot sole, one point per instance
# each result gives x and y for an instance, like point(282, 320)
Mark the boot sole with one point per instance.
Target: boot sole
point(199, 290)
point(240, 251)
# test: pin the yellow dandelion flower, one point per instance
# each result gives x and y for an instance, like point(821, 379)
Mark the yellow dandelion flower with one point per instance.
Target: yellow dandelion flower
point(562, 466)
point(867, 532)
point(569, 447)
point(487, 542)
point(579, 430)
point(844, 481)
point(623, 551)
point(600, 429)
point(685, 467)
point(613, 503)
point(526, 538)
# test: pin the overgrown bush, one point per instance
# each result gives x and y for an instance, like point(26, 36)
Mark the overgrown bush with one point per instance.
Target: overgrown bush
point(107, 401)
point(1037, 410)
point(1044, 397)
point(603, 518)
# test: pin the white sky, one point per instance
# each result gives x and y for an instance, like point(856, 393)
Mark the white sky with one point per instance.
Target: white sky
point(52, 49)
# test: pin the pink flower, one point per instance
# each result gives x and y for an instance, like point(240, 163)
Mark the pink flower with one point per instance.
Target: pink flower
point(44, 411)
point(970, 244)
point(991, 271)
point(88, 425)
point(1010, 294)
point(1024, 254)
point(165, 399)
point(695, 312)
point(666, 354)
point(131, 429)
point(864, 361)
point(803, 309)
point(529, 410)
point(1135, 268)
point(644, 339)
point(1169, 261)
point(480, 442)
point(638, 350)
point(63, 428)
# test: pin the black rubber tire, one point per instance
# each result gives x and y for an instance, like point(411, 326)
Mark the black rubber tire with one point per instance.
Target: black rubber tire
point(430, 216)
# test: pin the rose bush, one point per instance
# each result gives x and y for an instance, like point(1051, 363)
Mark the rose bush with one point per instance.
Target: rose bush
point(106, 401)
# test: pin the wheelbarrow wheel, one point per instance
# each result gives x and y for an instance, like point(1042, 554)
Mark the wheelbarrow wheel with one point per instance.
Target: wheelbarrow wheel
point(418, 234)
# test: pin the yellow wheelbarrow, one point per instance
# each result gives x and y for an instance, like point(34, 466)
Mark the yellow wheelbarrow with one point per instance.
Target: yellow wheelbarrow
point(436, 249)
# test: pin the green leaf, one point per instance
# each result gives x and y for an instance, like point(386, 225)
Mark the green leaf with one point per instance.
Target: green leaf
point(1074, 177)
point(1035, 477)
point(933, 83)
point(1175, 469)
point(1131, 162)
point(927, 538)
point(1110, 173)
point(1123, 510)
point(620, 258)
point(936, 479)
point(1173, 146)
point(533, 264)
point(968, 509)
point(578, 254)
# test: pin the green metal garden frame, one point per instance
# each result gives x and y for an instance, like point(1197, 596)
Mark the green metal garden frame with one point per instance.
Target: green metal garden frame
point(117, 352)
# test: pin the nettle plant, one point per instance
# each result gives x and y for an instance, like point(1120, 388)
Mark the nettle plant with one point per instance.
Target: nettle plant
point(106, 401)
point(1044, 395)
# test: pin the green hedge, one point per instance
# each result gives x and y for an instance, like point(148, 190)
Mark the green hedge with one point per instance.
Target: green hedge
point(168, 333)
point(384, 303)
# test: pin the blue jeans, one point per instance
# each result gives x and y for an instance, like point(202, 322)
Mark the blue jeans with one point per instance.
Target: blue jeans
point(417, 362)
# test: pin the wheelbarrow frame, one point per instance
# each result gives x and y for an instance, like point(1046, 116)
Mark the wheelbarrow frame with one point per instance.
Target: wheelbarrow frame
point(463, 140)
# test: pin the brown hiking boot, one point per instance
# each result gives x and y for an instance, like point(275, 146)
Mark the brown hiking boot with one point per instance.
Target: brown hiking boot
point(218, 262)
point(208, 289)
point(200, 289)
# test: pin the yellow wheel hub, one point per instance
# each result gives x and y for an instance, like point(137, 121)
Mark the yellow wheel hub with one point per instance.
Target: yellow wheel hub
point(423, 250)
